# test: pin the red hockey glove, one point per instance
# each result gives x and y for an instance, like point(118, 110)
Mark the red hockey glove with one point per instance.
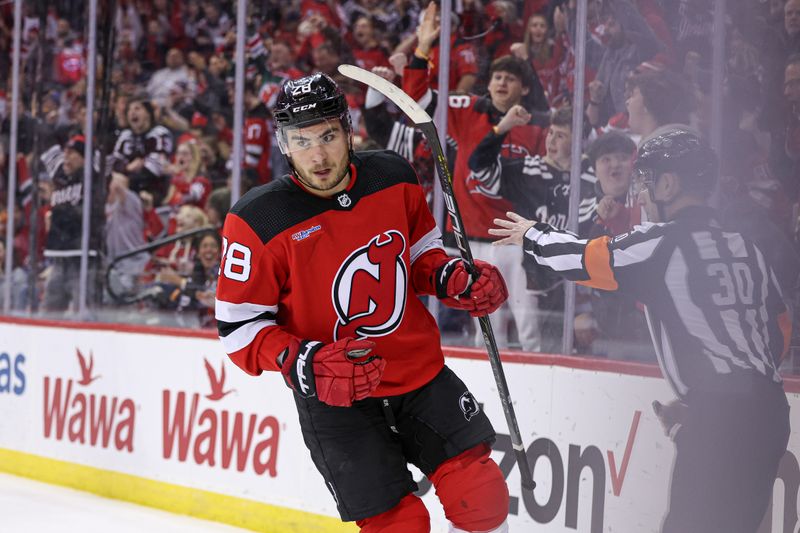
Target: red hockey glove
point(489, 291)
point(455, 288)
point(338, 373)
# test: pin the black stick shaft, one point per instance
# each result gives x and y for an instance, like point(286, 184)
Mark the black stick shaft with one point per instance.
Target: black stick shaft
point(446, 180)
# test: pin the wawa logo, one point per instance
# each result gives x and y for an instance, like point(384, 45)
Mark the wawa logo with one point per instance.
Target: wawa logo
point(80, 416)
point(203, 433)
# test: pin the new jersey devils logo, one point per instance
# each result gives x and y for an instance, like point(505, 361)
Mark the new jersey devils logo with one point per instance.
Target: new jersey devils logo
point(512, 150)
point(468, 405)
point(369, 293)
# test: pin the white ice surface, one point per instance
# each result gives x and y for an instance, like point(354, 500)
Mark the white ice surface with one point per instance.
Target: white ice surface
point(28, 506)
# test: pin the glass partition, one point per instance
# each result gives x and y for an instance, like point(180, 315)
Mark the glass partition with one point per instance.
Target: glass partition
point(164, 140)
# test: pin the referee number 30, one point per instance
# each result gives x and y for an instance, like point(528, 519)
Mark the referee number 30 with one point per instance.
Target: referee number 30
point(735, 283)
point(235, 261)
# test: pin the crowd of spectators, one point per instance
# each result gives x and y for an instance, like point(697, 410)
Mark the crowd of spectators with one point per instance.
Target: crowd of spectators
point(169, 136)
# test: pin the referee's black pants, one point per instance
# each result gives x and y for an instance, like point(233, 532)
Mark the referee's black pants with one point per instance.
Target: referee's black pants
point(727, 455)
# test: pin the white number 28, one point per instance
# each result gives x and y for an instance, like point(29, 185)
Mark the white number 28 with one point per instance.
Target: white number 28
point(236, 261)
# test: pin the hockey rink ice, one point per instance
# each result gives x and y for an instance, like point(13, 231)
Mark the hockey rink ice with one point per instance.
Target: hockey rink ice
point(34, 507)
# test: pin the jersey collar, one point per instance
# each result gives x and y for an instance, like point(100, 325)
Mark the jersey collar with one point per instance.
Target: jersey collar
point(343, 200)
point(350, 185)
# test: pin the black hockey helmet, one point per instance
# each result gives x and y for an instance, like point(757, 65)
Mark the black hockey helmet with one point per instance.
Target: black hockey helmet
point(308, 100)
point(682, 152)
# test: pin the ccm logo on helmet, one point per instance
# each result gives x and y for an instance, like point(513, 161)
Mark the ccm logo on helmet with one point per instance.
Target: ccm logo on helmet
point(304, 107)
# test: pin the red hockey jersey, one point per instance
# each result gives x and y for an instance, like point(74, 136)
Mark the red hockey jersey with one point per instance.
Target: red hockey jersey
point(298, 265)
point(469, 119)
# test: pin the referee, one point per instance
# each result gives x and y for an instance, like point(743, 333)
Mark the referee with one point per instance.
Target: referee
point(718, 323)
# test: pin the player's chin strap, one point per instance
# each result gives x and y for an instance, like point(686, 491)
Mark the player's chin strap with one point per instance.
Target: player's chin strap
point(502, 528)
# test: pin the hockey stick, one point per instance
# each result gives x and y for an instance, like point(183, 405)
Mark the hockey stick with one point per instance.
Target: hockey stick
point(423, 121)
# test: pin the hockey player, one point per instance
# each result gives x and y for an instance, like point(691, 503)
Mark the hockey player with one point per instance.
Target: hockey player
point(320, 279)
point(719, 326)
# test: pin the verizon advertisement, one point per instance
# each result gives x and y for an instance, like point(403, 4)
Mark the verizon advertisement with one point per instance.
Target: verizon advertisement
point(175, 410)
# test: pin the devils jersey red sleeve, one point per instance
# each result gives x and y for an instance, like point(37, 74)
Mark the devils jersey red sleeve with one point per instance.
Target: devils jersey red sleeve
point(427, 253)
point(299, 266)
point(248, 291)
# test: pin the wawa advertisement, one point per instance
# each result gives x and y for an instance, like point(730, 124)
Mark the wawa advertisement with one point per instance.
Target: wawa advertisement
point(175, 409)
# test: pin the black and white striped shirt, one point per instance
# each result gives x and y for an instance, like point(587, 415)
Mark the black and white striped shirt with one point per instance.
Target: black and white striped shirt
point(538, 189)
point(714, 307)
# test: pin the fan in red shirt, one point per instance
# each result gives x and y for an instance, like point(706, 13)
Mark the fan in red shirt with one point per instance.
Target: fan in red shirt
point(179, 255)
point(366, 49)
point(463, 65)
point(463, 71)
point(257, 131)
point(327, 9)
point(281, 61)
point(69, 64)
point(321, 279)
point(469, 120)
point(188, 185)
point(504, 27)
point(544, 54)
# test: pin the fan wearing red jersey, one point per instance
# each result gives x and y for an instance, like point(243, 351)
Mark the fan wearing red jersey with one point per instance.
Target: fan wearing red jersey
point(321, 278)
point(256, 135)
point(469, 119)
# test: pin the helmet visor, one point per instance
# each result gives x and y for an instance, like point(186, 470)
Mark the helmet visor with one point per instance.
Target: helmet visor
point(302, 137)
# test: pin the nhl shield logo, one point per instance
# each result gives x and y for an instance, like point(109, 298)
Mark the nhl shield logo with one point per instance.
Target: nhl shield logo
point(468, 405)
point(344, 200)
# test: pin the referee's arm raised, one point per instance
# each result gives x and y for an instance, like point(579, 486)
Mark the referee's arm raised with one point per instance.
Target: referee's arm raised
point(632, 262)
point(606, 263)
